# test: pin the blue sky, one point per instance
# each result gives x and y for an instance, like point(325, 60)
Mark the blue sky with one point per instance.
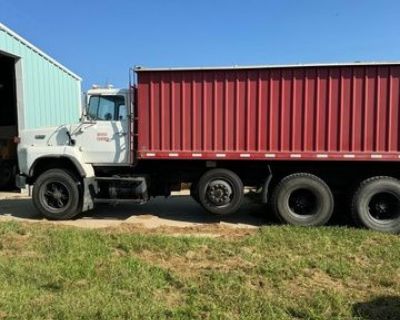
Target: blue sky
point(100, 40)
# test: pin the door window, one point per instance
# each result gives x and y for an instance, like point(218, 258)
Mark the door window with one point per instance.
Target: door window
point(107, 108)
point(123, 112)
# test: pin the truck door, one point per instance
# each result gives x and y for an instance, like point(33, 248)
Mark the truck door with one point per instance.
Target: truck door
point(104, 138)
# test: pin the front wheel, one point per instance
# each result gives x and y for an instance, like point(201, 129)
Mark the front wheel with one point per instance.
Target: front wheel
point(220, 191)
point(56, 194)
point(376, 204)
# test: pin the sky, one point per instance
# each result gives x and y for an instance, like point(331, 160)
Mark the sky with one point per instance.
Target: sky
point(101, 40)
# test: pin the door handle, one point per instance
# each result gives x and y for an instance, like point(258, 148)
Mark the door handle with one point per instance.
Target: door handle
point(121, 134)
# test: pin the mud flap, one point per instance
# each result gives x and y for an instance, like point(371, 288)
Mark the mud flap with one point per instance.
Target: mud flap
point(90, 188)
point(264, 194)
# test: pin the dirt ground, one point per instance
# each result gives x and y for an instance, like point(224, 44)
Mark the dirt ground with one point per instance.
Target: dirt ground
point(177, 214)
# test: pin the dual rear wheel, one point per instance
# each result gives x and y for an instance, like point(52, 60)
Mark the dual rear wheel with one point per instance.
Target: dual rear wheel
point(376, 204)
point(306, 200)
point(303, 199)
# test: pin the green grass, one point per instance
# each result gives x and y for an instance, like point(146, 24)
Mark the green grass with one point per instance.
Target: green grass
point(49, 272)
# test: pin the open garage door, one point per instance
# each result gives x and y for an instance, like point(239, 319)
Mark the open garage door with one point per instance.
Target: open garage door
point(8, 120)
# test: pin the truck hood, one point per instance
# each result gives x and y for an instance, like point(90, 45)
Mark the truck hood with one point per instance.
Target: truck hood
point(52, 136)
point(35, 143)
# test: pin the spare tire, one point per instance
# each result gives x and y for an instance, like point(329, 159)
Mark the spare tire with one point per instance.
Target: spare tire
point(303, 199)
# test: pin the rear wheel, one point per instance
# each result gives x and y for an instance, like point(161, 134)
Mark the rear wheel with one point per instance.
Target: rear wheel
point(56, 194)
point(376, 204)
point(220, 191)
point(303, 199)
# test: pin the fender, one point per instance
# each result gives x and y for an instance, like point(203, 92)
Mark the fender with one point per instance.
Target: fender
point(31, 155)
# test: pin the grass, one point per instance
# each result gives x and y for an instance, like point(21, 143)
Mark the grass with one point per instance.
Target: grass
point(49, 272)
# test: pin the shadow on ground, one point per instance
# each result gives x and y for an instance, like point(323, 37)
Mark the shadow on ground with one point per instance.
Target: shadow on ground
point(181, 209)
point(381, 308)
point(178, 210)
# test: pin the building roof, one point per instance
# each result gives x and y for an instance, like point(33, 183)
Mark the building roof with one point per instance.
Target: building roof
point(38, 51)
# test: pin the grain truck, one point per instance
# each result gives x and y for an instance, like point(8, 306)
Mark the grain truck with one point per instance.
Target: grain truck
point(297, 134)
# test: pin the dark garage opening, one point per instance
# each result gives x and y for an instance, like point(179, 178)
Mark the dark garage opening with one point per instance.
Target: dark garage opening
point(8, 110)
point(8, 120)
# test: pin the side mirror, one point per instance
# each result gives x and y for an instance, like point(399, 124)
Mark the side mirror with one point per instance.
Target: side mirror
point(84, 107)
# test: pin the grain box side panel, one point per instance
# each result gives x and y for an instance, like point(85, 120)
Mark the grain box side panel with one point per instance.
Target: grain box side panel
point(307, 113)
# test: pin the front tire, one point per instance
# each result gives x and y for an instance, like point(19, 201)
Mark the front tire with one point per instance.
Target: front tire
point(56, 194)
point(376, 204)
point(220, 191)
point(303, 199)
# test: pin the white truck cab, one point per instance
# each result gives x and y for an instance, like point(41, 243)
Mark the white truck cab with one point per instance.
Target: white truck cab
point(58, 158)
point(103, 135)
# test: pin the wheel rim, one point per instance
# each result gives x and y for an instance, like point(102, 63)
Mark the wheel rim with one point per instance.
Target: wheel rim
point(384, 206)
point(219, 193)
point(55, 196)
point(303, 202)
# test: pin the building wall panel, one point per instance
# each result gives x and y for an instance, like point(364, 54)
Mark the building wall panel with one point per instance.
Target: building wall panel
point(51, 94)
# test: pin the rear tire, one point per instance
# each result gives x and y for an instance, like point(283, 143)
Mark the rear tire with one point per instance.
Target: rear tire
point(220, 191)
point(303, 199)
point(376, 204)
point(56, 194)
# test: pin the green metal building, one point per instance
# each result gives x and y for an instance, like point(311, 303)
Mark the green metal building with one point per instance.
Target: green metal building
point(46, 92)
point(35, 91)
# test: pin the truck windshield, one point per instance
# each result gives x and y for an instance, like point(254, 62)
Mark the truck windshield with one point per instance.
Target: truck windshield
point(107, 108)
